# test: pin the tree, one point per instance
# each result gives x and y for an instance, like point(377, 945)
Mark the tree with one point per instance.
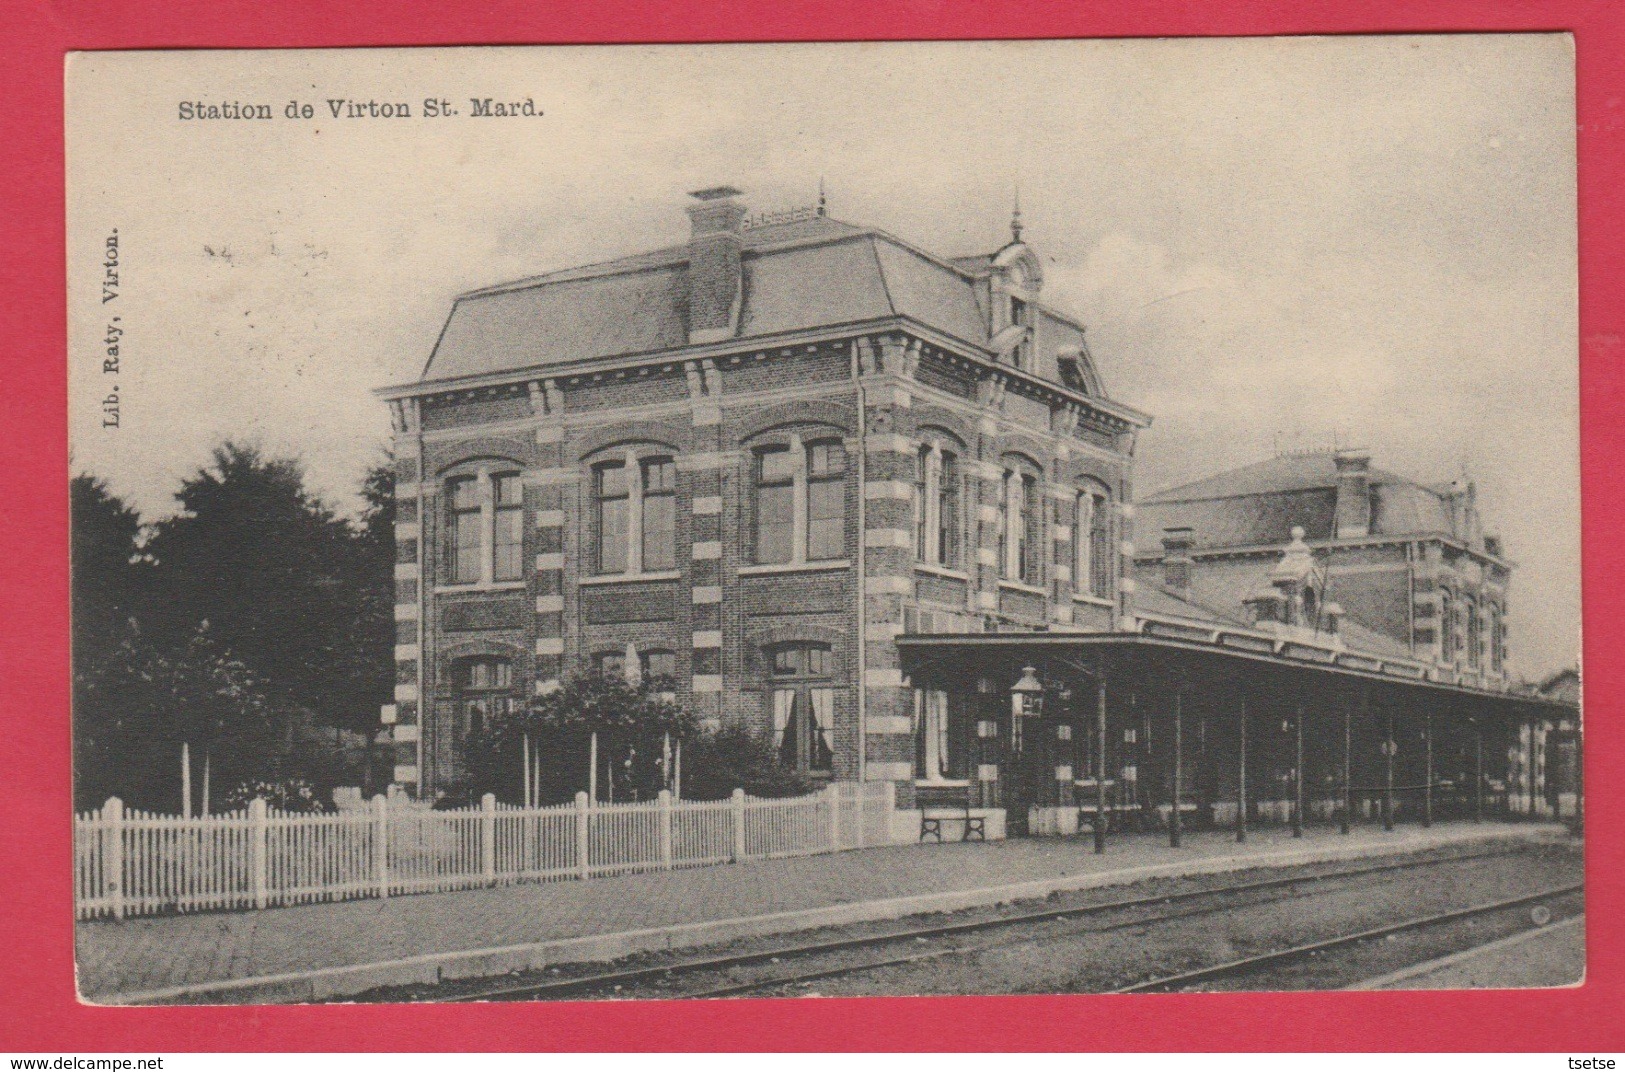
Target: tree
point(633, 723)
point(150, 700)
point(285, 584)
point(107, 577)
point(107, 566)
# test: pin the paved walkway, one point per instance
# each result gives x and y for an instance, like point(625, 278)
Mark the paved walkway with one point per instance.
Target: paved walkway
point(341, 948)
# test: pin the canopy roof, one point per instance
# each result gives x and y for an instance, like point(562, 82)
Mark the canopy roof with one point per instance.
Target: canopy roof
point(1241, 652)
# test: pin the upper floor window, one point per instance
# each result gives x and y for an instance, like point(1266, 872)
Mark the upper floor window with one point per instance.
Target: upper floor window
point(635, 514)
point(936, 506)
point(1474, 642)
point(659, 483)
point(1019, 539)
point(1091, 542)
point(465, 529)
point(799, 492)
point(1497, 639)
point(803, 705)
point(485, 526)
point(508, 539)
point(1447, 628)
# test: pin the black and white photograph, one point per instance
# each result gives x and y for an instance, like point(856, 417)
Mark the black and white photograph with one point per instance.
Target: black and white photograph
point(825, 520)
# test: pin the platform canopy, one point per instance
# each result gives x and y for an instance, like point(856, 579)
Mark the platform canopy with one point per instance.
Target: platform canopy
point(1231, 658)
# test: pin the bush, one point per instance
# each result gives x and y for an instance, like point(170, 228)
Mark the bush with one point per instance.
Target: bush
point(288, 794)
point(717, 763)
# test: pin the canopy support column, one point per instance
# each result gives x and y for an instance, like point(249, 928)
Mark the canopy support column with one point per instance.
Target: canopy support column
point(1241, 773)
point(1100, 759)
point(1388, 748)
point(1179, 769)
point(1478, 771)
point(1427, 780)
point(1348, 765)
point(1297, 774)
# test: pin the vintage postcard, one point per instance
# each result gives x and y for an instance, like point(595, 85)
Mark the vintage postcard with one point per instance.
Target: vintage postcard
point(825, 519)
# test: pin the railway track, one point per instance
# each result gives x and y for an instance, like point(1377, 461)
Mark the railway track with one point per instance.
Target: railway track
point(613, 983)
point(1242, 967)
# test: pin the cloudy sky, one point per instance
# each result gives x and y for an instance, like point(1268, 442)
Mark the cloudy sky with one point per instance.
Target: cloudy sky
point(1276, 243)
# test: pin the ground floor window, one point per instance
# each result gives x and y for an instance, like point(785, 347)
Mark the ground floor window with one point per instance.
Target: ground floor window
point(940, 737)
point(803, 706)
point(484, 693)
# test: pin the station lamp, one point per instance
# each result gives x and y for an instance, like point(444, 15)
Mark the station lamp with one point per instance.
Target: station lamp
point(1026, 701)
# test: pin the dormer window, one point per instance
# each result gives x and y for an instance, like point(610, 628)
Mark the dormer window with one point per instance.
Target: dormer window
point(1021, 317)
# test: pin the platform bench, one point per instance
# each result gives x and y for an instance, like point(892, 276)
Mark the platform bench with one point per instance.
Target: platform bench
point(933, 816)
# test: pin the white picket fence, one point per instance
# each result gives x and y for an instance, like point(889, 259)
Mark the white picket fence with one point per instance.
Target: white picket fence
point(129, 862)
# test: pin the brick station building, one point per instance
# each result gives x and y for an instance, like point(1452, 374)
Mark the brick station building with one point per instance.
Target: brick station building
point(874, 504)
point(750, 462)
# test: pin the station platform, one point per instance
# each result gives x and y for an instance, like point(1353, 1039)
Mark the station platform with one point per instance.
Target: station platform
point(319, 951)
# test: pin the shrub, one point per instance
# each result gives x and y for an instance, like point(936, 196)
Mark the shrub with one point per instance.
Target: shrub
point(717, 763)
point(288, 794)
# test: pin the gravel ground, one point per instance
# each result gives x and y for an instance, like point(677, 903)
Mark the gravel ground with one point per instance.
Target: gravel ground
point(1103, 951)
point(1057, 962)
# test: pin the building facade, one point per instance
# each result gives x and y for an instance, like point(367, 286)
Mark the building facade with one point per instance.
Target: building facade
point(1324, 542)
point(749, 463)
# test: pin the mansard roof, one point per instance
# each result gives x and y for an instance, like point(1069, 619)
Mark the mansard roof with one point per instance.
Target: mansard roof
point(1259, 504)
point(807, 274)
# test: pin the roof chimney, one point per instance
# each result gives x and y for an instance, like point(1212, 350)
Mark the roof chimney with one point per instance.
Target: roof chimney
point(1353, 493)
point(1176, 558)
point(714, 274)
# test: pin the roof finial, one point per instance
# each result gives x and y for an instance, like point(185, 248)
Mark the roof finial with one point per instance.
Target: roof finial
point(823, 205)
point(1015, 217)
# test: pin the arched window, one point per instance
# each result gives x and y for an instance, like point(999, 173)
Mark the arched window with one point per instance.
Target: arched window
point(634, 514)
point(485, 527)
point(1091, 542)
point(936, 506)
point(1311, 608)
point(799, 501)
point(802, 699)
point(1447, 628)
point(1021, 316)
point(1020, 536)
point(1474, 652)
point(484, 689)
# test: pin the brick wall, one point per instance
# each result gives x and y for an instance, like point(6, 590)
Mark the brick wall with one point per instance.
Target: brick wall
point(720, 613)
